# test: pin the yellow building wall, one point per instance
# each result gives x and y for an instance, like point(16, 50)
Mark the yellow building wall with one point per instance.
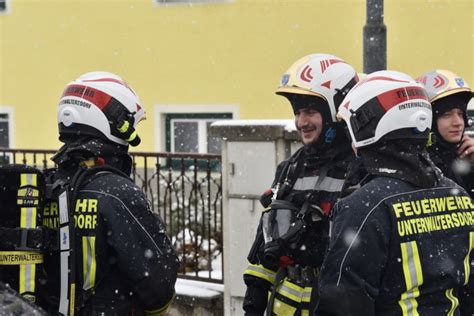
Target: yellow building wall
point(231, 53)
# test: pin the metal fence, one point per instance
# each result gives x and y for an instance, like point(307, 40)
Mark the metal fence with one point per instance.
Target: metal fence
point(185, 189)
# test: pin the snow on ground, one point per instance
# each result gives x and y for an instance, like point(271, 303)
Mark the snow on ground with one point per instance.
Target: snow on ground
point(198, 288)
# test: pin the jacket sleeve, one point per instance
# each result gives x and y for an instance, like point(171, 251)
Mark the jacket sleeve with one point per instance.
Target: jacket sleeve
point(352, 269)
point(257, 278)
point(144, 252)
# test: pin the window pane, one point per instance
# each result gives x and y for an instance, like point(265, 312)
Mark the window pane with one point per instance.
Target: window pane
point(3, 133)
point(213, 143)
point(185, 137)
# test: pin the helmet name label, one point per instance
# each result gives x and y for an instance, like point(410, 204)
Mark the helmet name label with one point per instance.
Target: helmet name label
point(96, 97)
point(394, 97)
point(413, 105)
point(75, 102)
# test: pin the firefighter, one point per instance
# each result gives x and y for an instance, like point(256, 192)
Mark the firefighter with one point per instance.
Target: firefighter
point(402, 243)
point(114, 256)
point(450, 148)
point(292, 235)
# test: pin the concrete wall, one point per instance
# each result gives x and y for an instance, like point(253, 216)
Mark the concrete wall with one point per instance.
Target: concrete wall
point(250, 155)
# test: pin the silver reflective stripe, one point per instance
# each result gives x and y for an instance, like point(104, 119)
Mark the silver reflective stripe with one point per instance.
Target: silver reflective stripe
point(410, 292)
point(307, 294)
point(289, 290)
point(29, 179)
point(63, 299)
point(63, 210)
point(413, 274)
point(28, 278)
point(262, 271)
point(328, 184)
point(30, 212)
point(64, 242)
point(28, 220)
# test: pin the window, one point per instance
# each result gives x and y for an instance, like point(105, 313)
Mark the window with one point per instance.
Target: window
point(4, 131)
point(4, 4)
point(188, 132)
point(5, 134)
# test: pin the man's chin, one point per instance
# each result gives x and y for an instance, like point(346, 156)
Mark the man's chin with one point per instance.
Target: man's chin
point(308, 141)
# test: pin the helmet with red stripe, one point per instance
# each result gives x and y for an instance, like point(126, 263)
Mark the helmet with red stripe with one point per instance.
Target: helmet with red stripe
point(100, 104)
point(324, 76)
point(386, 105)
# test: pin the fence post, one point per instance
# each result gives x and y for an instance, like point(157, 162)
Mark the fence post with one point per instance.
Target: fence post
point(251, 151)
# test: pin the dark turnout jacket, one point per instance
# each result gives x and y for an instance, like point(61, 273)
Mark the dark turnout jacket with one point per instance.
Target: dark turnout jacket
point(400, 249)
point(124, 261)
point(294, 294)
point(445, 157)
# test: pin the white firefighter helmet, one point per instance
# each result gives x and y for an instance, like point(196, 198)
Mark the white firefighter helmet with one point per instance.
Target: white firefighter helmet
point(100, 104)
point(386, 104)
point(441, 83)
point(321, 75)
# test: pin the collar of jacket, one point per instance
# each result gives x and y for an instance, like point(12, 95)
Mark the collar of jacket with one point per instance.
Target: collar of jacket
point(444, 151)
point(75, 152)
point(320, 153)
point(401, 159)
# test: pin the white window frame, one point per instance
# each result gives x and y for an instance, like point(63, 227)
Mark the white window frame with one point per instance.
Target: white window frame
point(7, 7)
point(11, 123)
point(162, 110)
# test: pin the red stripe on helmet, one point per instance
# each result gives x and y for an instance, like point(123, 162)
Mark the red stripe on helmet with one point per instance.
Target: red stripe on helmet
point(94, 96)
point(383, 78)
point(394, 97)
point(123, 83)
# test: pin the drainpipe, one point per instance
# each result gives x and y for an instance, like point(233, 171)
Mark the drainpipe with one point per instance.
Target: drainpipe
point(375, 38)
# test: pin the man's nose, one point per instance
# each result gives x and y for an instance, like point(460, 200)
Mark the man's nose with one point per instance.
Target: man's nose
point(302, 118)
point(458, 120)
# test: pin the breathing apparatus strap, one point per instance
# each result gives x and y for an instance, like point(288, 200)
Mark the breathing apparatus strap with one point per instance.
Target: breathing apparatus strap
point(66, 247)
point(307, 203)
point(280, 275)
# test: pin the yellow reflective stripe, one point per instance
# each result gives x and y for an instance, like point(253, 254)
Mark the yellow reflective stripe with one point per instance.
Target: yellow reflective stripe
point(124, 127)
point(291, 291)
point(454, 301)
point(413, 278)
point(28, 217)
point(89, 263)
point(304, 312)
point(20, 257)
point(27, 270)
point(132, 136)
point(306, 294)
point(22, 192)
point(28, 179)
point(72, 301)
point(281, 308)
point(162, 310)
point(467, 260)
point(261, 272)
point(27, 278)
